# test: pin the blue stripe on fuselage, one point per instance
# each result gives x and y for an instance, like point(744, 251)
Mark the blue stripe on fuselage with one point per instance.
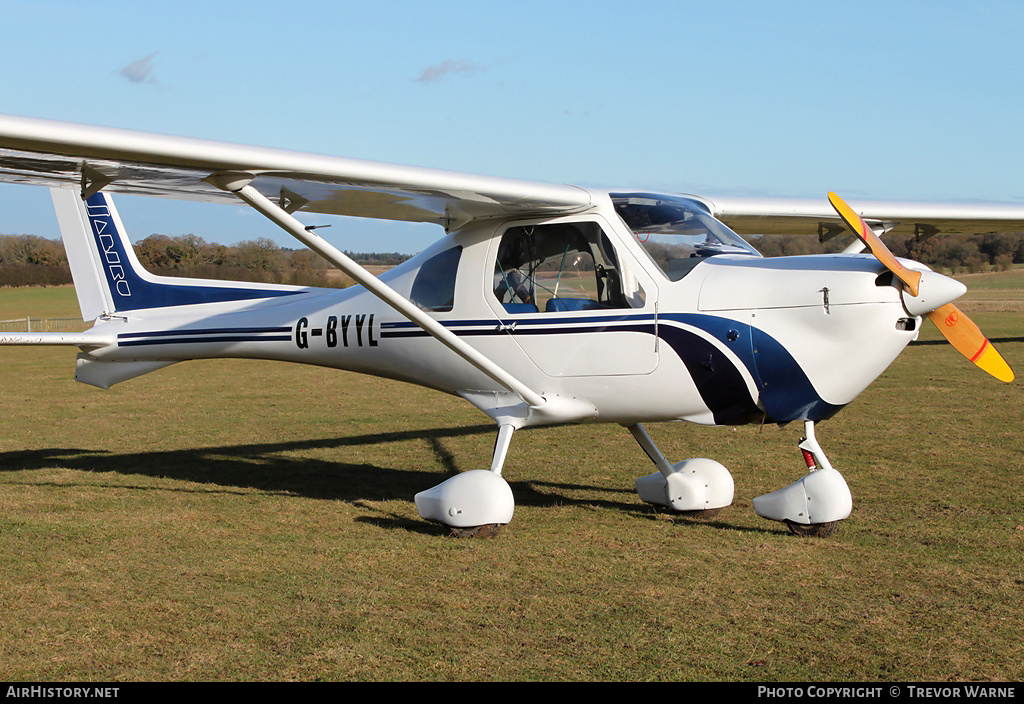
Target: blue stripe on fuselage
point(181, 337)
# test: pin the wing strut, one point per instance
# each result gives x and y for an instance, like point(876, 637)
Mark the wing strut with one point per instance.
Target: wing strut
point(238, 183)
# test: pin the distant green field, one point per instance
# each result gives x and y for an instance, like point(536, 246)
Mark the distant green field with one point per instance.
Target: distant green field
point(39, 302)
point(1011, 280)
point(997, 291)
point(229, 520)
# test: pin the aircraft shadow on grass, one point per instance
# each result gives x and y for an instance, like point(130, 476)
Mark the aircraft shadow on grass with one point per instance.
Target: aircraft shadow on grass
point(263, 467)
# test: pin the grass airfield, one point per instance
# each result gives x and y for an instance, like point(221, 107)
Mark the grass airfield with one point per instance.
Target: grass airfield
point(246, 520)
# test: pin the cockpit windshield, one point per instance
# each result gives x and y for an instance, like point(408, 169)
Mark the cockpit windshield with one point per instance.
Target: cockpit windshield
point(677, 233)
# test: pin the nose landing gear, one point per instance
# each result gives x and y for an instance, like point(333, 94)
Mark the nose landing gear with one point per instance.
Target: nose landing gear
point(814, 504)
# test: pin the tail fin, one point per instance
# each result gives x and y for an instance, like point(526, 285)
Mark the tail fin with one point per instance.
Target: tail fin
point(108, 277)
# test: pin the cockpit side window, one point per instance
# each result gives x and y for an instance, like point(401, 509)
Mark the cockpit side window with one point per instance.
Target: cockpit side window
point(677, 233)
point(559, 267)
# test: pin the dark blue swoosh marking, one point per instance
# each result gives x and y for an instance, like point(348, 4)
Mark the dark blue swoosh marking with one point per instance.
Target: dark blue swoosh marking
point(720, 384)
point(785, 391)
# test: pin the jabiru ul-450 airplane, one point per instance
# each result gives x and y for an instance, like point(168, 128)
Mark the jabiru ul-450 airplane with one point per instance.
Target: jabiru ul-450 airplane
point(539, 304)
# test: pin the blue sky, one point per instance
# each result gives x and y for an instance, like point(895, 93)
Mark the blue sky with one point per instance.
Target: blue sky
point(898, 99)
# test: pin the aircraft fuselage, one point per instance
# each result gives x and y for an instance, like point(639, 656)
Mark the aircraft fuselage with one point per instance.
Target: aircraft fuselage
point(735, 339)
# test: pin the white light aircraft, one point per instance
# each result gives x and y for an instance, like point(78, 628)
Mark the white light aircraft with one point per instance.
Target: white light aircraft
point(541, 303)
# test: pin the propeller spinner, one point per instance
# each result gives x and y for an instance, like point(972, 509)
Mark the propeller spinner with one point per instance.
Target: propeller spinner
point(931, 294)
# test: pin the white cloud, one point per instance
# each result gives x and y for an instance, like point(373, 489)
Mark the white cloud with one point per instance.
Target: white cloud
point(435, 73)
point(140, 70)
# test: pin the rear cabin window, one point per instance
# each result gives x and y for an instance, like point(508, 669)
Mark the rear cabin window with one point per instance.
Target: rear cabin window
point(433, 289)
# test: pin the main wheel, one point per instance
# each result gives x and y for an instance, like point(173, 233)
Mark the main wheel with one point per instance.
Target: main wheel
point(813, 530)
point(701, 513)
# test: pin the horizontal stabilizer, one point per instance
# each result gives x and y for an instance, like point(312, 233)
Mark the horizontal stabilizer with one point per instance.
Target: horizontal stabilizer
point(75, 339)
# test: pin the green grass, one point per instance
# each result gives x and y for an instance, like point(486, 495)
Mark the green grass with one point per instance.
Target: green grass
point(1001, 291)
point(39, 302)
point(1012, 279)
point(230, 520)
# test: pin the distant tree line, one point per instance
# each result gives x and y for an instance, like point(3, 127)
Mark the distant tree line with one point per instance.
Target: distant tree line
point(378, 258)
point(29, 260)
point(259, 260)
point(956, 254)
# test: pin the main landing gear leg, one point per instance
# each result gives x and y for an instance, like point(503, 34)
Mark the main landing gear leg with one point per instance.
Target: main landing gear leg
point(475, 503)
point(695, 487)
point(813, 505)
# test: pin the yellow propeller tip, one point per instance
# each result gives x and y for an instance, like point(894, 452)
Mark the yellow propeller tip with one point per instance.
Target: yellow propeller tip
point(992, 362)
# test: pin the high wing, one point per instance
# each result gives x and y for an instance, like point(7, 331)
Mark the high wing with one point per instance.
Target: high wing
point(52, 153)
point(789, 216)
point(277, 183)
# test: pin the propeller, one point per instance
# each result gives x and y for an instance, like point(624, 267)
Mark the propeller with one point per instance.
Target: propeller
point(931, 294)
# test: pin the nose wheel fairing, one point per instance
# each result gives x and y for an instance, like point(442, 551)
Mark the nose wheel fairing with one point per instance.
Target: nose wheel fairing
point(814, 504)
